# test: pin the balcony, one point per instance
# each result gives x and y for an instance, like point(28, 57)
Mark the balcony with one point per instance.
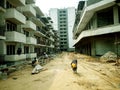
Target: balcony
point(51, 46)
point(14, 16)
point(15, 57)
point(31, 55)
point(29, 26)
point(99, 31)
point(18, 2)
point(37, 21)
point(13, 36)
point(31, 40)
point(2, 9)
point(30, 1)
point(28, 10)
point(89, 11)
point(52, 33)
point(51, 38)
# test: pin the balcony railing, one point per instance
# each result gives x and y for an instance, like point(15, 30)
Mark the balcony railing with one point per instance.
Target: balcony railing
point(15, 36)
point(29, 25)
point(30, 1)
point(18, 2)
point(41, 30)
point(31, 55)
point(15, 57)
point(15, 16)
point(28, 10)
point(31, 40)
point(37, 21)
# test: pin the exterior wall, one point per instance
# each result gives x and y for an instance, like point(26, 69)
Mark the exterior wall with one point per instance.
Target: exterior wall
point(103, 45)
point(63, 29)
point(101, 33)
point(19, 31)
point(71, 20)
point(54, 15)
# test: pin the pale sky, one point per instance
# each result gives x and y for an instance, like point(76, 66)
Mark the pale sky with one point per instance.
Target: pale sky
point(45, 5)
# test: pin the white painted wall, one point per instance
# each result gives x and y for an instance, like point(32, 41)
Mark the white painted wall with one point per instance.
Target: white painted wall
point(71, 20)
point(53, 13)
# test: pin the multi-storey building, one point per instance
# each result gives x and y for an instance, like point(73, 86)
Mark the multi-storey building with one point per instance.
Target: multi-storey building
point(63, 22)
point(24, 33)
point(56, 43)
point(97, 27)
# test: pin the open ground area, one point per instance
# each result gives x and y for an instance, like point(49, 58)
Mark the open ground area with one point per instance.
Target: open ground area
point(58, 75)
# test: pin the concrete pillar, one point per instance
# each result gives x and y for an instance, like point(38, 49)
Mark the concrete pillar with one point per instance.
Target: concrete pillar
point(115, 15)
point(19, 28)
point(93, 48)
point(2, 47)
point(95, 21)
point(31, 48)
point(2, 19)
point(31, 34)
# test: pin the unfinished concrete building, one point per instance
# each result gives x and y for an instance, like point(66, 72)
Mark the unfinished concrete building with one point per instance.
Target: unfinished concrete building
point(97, 27)
point(24, 33)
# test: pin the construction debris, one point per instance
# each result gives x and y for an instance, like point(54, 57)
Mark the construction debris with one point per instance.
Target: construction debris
point(108, 57)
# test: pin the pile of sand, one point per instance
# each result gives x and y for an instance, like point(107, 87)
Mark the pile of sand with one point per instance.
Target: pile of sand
point(108, 57)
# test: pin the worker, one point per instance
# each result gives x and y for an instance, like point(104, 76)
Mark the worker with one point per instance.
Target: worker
point(74, 66)
point(34, 62)
point(37, 68)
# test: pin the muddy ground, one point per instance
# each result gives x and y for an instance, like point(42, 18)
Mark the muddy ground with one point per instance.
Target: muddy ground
point(58, 75)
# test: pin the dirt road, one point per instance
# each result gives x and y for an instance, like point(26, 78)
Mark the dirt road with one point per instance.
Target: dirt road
point(59, 76)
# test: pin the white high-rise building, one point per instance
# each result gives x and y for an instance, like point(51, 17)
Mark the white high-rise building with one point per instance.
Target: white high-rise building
point(63, 20)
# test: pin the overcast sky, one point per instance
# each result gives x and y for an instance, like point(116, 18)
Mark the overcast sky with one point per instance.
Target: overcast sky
point(45, 5)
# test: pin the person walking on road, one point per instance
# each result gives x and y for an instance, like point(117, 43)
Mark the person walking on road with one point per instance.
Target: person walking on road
point(74, 66)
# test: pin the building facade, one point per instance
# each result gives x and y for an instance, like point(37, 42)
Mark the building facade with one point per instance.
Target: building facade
point(25, 32)
point(97, 27)
point(63, 22)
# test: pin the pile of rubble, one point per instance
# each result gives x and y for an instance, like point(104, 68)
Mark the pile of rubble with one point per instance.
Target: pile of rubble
point(109, 57)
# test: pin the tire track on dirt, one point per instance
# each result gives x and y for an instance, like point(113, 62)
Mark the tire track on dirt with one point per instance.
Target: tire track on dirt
point(101, 75)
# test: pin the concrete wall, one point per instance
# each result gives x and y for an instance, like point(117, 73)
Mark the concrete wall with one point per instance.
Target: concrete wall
point(54, 15)
point(103, 46)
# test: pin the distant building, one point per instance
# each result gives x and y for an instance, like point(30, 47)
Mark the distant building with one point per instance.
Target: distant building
point(25, 32)
point(97, 27)
point(63, 22)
